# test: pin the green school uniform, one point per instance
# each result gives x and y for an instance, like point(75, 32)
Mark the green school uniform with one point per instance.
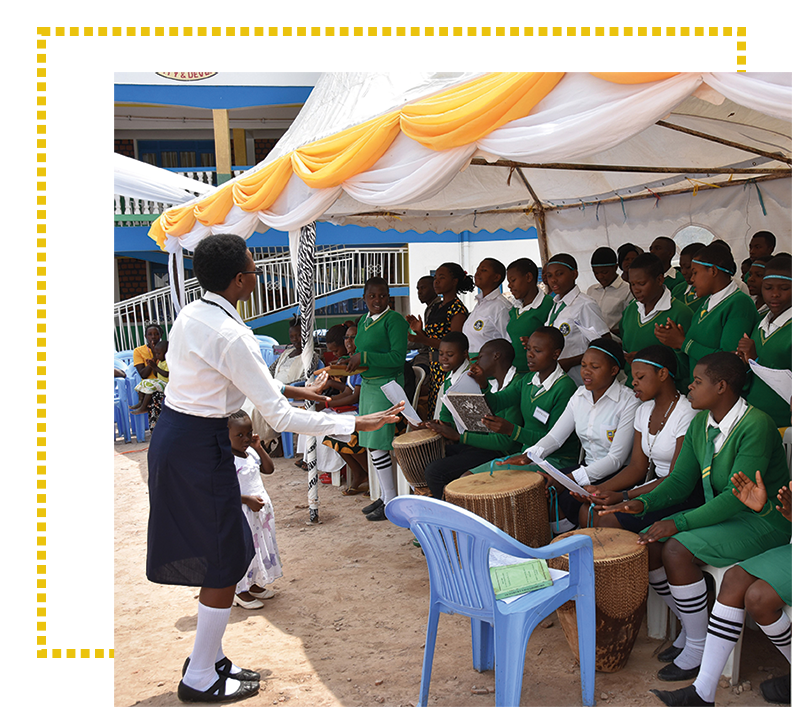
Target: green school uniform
point(522, 325)
point(723, 531)
point(637, 336)
point(677, 279)
point(681, 293)
point(721, 329)
point(773, 351)
point(382, 345)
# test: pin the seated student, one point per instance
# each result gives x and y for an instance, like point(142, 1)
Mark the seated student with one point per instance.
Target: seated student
point(530, 310)
point(473, 448)
point(753, 279)
point(722, 319)
point(761, 586)
point(570, 307)
point(488, 320)
point(455, 363)
point(602, 414)
point(653, 306)
point(770, 343)
point(611, 293)
point(685, 292)
point(731, 437)
point(665, 249)
point(542, 396)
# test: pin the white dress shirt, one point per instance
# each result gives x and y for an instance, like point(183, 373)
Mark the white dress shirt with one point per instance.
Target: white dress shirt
point(604, 428)
point(660, 448)
point(727, 424)
point(453, 377)
point(769, 325)
point(549, 381)
point(664, 303)
point(488, 320)
point(716, 298)
point(215, 363)
point(533, 305)
point(611, 300)
point(507, 378)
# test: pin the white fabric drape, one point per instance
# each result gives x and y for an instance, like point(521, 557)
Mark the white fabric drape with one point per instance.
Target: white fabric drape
point(136, 179)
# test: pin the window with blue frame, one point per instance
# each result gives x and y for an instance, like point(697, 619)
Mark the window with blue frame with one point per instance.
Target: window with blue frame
point(177, 153)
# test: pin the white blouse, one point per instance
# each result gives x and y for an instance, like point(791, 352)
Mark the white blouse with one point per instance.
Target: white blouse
point(660, 448)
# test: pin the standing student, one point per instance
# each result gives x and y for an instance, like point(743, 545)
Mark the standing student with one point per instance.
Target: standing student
point(762, 244)
point(572, 312)
point(723, 319)
point(753, 279)
point(653, 306)
point(530, 308)
point(770, 344)
point(489, 319)
point(685, 292)
point(625, 255)
point(665, 248)
point(381, 342)
point(197, 534)
point(730, 437)
point(611, 293)
point(429, 297)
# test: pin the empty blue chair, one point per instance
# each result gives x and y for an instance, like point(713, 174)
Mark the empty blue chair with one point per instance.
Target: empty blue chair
point(121, 409)
point(457, 544)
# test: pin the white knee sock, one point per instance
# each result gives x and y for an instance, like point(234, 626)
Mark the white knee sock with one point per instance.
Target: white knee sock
point(201, 673)
point(381, 460)
point(723, 631)
point(659, 583)
point(691, 601)
point(779, 634)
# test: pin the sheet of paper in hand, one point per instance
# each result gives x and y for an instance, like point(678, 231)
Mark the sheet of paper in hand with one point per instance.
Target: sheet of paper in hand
point(395, 393)
point(780, 381)
point(569, 484)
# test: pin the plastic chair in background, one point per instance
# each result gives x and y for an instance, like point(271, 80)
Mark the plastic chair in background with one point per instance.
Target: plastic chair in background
point(266, 344)
point(457, 546)
point(121, 409)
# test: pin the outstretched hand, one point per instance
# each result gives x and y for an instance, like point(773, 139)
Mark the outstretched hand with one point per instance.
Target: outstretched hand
point(631, 507)
point(448, 432)
point(375, 421)
point(658, 531)
point(752, 495)
point(785, 498)
point(514, 460)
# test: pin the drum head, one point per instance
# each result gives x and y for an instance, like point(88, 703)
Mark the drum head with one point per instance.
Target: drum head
point(415, 437)
point(610, 543)
point(503, 481)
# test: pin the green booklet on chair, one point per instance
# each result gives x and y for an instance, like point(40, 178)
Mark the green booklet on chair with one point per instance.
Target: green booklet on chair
point(508, 580)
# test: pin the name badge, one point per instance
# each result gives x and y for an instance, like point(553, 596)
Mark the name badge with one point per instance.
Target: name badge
point(541, 415)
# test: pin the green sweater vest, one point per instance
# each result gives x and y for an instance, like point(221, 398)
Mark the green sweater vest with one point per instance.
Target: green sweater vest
point(754, 443)
point(773, 351)
point(689, 298)
point(523, 325)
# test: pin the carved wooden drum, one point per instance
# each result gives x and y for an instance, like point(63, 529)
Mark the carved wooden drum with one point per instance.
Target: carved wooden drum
point(414, 451)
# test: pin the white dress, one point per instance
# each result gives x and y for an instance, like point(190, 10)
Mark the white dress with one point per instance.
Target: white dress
point(266, 564)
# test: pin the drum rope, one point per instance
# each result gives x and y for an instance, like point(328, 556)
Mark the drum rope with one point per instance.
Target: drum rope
point(554, 504)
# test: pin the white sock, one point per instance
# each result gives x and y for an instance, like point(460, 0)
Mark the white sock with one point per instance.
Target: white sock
point(201, 673)
point(659, 583)
point(691, 601)
point(779, 634)
point(221, 655)
point(381, 460)
point(725, 626)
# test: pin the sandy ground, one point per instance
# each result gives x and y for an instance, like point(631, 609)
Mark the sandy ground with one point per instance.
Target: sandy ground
point(347, 624)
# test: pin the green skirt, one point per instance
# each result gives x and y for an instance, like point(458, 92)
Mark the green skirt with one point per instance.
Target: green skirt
point(774, 567)
point(373, 400)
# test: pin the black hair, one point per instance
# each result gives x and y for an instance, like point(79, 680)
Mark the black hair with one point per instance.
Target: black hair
point(726, 367)
point(162, 344)
point(524, 266)
point(780, 264)
point(295, 322)
point(564, 259)
point(692, 249)
point(719, 256)
point(667, 240)
point(464, 281)
point(426, 277)
point(376, 281)
point(238, 415)
point(497, 266)
point(153, 325)
point(612, 350)
point(624, 251)
point(457, 338)
point(335, 335)
point(660, 354)
point(648, 262)
point(218, 259)
point(603, 256)
point(555, 336)
point(764, 259)
point(502, 346)
point(767, 236)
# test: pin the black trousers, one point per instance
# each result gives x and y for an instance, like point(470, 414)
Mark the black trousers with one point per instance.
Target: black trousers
point(459, 459)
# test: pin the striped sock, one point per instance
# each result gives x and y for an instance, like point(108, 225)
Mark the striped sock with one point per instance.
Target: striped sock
point(659, 583)
point(382, 462)
point(779, 634)
point(691, 601)
point(723, 632)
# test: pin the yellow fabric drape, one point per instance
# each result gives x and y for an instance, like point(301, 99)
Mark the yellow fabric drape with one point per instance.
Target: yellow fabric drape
point(157, 234)
point(329, 162)
point(259, 190)
point(175, 221)
point(634, 78)
point(212, 210)
point(471, 111)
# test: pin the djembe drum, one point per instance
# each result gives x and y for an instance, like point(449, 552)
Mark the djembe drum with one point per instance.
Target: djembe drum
point(512, 500)
point(414, 451)
point(621, 579)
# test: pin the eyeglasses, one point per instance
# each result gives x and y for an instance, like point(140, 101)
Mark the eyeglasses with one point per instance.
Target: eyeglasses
point(257, 271)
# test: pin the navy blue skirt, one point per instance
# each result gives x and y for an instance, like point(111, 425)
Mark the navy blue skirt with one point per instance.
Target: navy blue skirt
point(197, 533)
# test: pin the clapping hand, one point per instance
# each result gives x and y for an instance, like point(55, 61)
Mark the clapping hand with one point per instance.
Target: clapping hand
point(752, 495)
point(671, 334)
point(785, 498)
point(746, 349)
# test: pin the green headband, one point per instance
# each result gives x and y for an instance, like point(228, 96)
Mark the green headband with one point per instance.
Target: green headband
point(777, 277)
point(597, 347)
point(657, 365)
point(728, 272)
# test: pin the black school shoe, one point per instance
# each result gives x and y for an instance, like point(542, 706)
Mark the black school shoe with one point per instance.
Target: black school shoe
point(776, 690)
point(674, 673)
point(669, 654)
point(374, 506)
point(683, 697)
point(216, 693)
point(223, 669)
point(378, 514)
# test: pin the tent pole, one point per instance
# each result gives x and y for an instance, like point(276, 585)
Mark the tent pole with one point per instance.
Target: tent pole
point(627, 168)
point(539, 216)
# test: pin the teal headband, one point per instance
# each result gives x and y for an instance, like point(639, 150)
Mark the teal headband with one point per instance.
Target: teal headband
point(777, 277)
point(657, 365)
point(760, 264)
point(604, 265)
point(561, 262)
point(596, 347)
point(728, 272)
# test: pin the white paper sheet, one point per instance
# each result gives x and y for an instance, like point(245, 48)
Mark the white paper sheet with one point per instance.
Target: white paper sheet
point(559, 476)
point(780, 381)
point(395, 393)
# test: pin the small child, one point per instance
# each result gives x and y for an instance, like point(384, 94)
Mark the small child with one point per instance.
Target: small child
point(156, 382)
point(250, 460)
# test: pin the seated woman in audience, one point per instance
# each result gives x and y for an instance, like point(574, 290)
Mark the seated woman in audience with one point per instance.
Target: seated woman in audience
point(770, 344)
point(490, 316)
point(722, 319)
point(530, 307)
point(685, 292)
point(611, 293)
point(731, 437)
point(753, 279)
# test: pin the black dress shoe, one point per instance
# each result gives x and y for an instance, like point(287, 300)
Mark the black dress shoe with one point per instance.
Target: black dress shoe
point(669, 654)
point(216, 693)
point(674, 673)
point(223, 669)
point(776, 690)
point(378, 514)
point(371, 508)
point(683, 697)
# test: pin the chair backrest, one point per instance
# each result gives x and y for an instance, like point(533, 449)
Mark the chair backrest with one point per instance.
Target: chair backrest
point(420, 375)
point(125, 357)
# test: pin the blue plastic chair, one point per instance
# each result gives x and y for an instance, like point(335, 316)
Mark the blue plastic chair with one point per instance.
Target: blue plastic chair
point(456, 544)
point(121, 409)
point(137, 423)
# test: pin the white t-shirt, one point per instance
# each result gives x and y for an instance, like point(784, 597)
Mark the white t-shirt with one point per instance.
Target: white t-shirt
point(660, 448)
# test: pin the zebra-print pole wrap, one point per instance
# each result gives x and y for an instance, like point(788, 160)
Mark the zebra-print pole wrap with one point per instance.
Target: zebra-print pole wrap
point(305, 297)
